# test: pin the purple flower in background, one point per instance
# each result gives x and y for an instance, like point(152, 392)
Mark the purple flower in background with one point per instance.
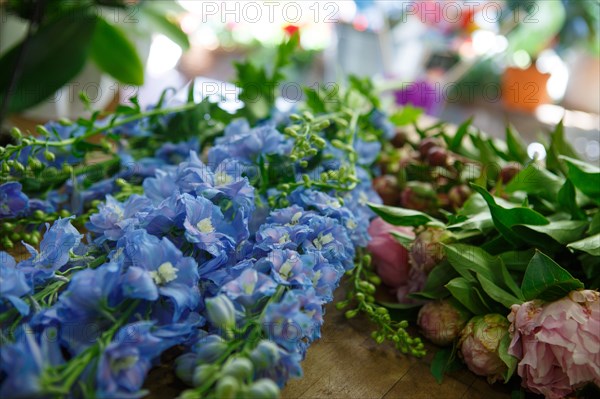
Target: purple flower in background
point(124, 364)
point(13, 283)
point(422, 94)
point(12, 200)
point(59, 240)
point(24, 360)
point(114, 218)
point(157, 268)
point(249, 287)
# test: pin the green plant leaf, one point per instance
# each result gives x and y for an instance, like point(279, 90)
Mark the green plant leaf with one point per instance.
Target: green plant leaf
point(470, 261)
point(517, 260)
point(460, 134)
point(517, 148)
point(545, 279)
point(444, 360)
point(404, 240)
point(594, 224)
point(567, 199)
point(436, 280)
point(55, 54)
point(505, 218)
point(406, 116)
point(496, 293)
point(404, 217)
point(510, 360)
point(563, 231)
point(536, 180)
point(468, 295)
point(164, 25)
point(113, 53)
point(591, 245)
point(585, 176)
point(559, 146)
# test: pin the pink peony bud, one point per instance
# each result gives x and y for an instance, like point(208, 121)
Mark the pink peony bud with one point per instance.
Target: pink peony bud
point(415, 282)
point(427, 251)
point(389, 257)
point(440, 322)
point(558, 343)
point(478, 345)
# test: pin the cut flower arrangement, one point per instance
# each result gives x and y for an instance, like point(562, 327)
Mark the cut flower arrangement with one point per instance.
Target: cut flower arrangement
point(219, 237)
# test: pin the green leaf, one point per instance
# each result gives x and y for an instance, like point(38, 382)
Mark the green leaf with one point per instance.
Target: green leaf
point(55, 54)
point(115, 54)
point(404, 217)
point(436, 280)
point(545, 279)
point(594, 224)
point(468, 295)
point(585, 176)
point(510, 360)
point(496, 293)
point(406, 116)
point(460, 134)
point(567, 199)
point(470, 261)
point(559, 146)
point(444, 360)
point(404, 240)
point(314, 100)
point(563, 231)
point(517, 148)
point(517, 260)
point(536, 180)
point(591, 245)
point(504, 219)
point(161, 23)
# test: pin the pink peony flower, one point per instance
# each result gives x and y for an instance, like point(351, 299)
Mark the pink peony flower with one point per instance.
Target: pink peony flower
point(427, 251)
point(389, 257)
point(478, 345)
point(558, 343)
point(440, 322)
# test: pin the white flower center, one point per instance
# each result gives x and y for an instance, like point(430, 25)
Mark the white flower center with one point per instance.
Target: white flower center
point(222, 178)
point(164, 274)
point(351, 224)
point(323, 240)
point(284, 238)
point(335, 204)
point(123, 363)
point(205, 226)
point(286, 268)
point(295, 218)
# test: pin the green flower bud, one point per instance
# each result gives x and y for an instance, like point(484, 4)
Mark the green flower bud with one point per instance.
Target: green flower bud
point(240, 368)
point(42, 130)
point(16, 133)
point(263, 389)
point(220, 312)
point(38, 214)
point(203, 373)
point(64, 213)
point(227, 388)
point(351, 313)
point(49, 156)
point(5, 167)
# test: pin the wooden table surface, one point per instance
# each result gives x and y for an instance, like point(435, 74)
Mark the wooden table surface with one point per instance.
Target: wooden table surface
point(347, 363)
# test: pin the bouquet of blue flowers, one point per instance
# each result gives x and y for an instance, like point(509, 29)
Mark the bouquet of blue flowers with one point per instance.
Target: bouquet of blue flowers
point(218, 237)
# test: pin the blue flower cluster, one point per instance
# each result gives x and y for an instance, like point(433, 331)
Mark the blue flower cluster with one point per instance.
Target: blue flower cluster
point(197, 260)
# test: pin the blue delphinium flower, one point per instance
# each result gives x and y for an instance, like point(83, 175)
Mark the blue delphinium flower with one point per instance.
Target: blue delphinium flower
point(381, 121)
point(59, 240)
point(166, 216)
point(273, 362)
point(24, 361)
point(175, 153)
point(12, 200)
point(206, 226)
point(249, 288)
point(288, 267)
point(246, 146)
point(81, 311)
point(124, 364)
point(114, 218)
point(13, 283)
point(155, 267)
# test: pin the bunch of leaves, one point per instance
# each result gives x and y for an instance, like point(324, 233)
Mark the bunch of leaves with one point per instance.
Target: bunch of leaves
point(535, 237)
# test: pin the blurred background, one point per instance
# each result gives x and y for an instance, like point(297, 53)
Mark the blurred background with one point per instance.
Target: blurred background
point(532, 63)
